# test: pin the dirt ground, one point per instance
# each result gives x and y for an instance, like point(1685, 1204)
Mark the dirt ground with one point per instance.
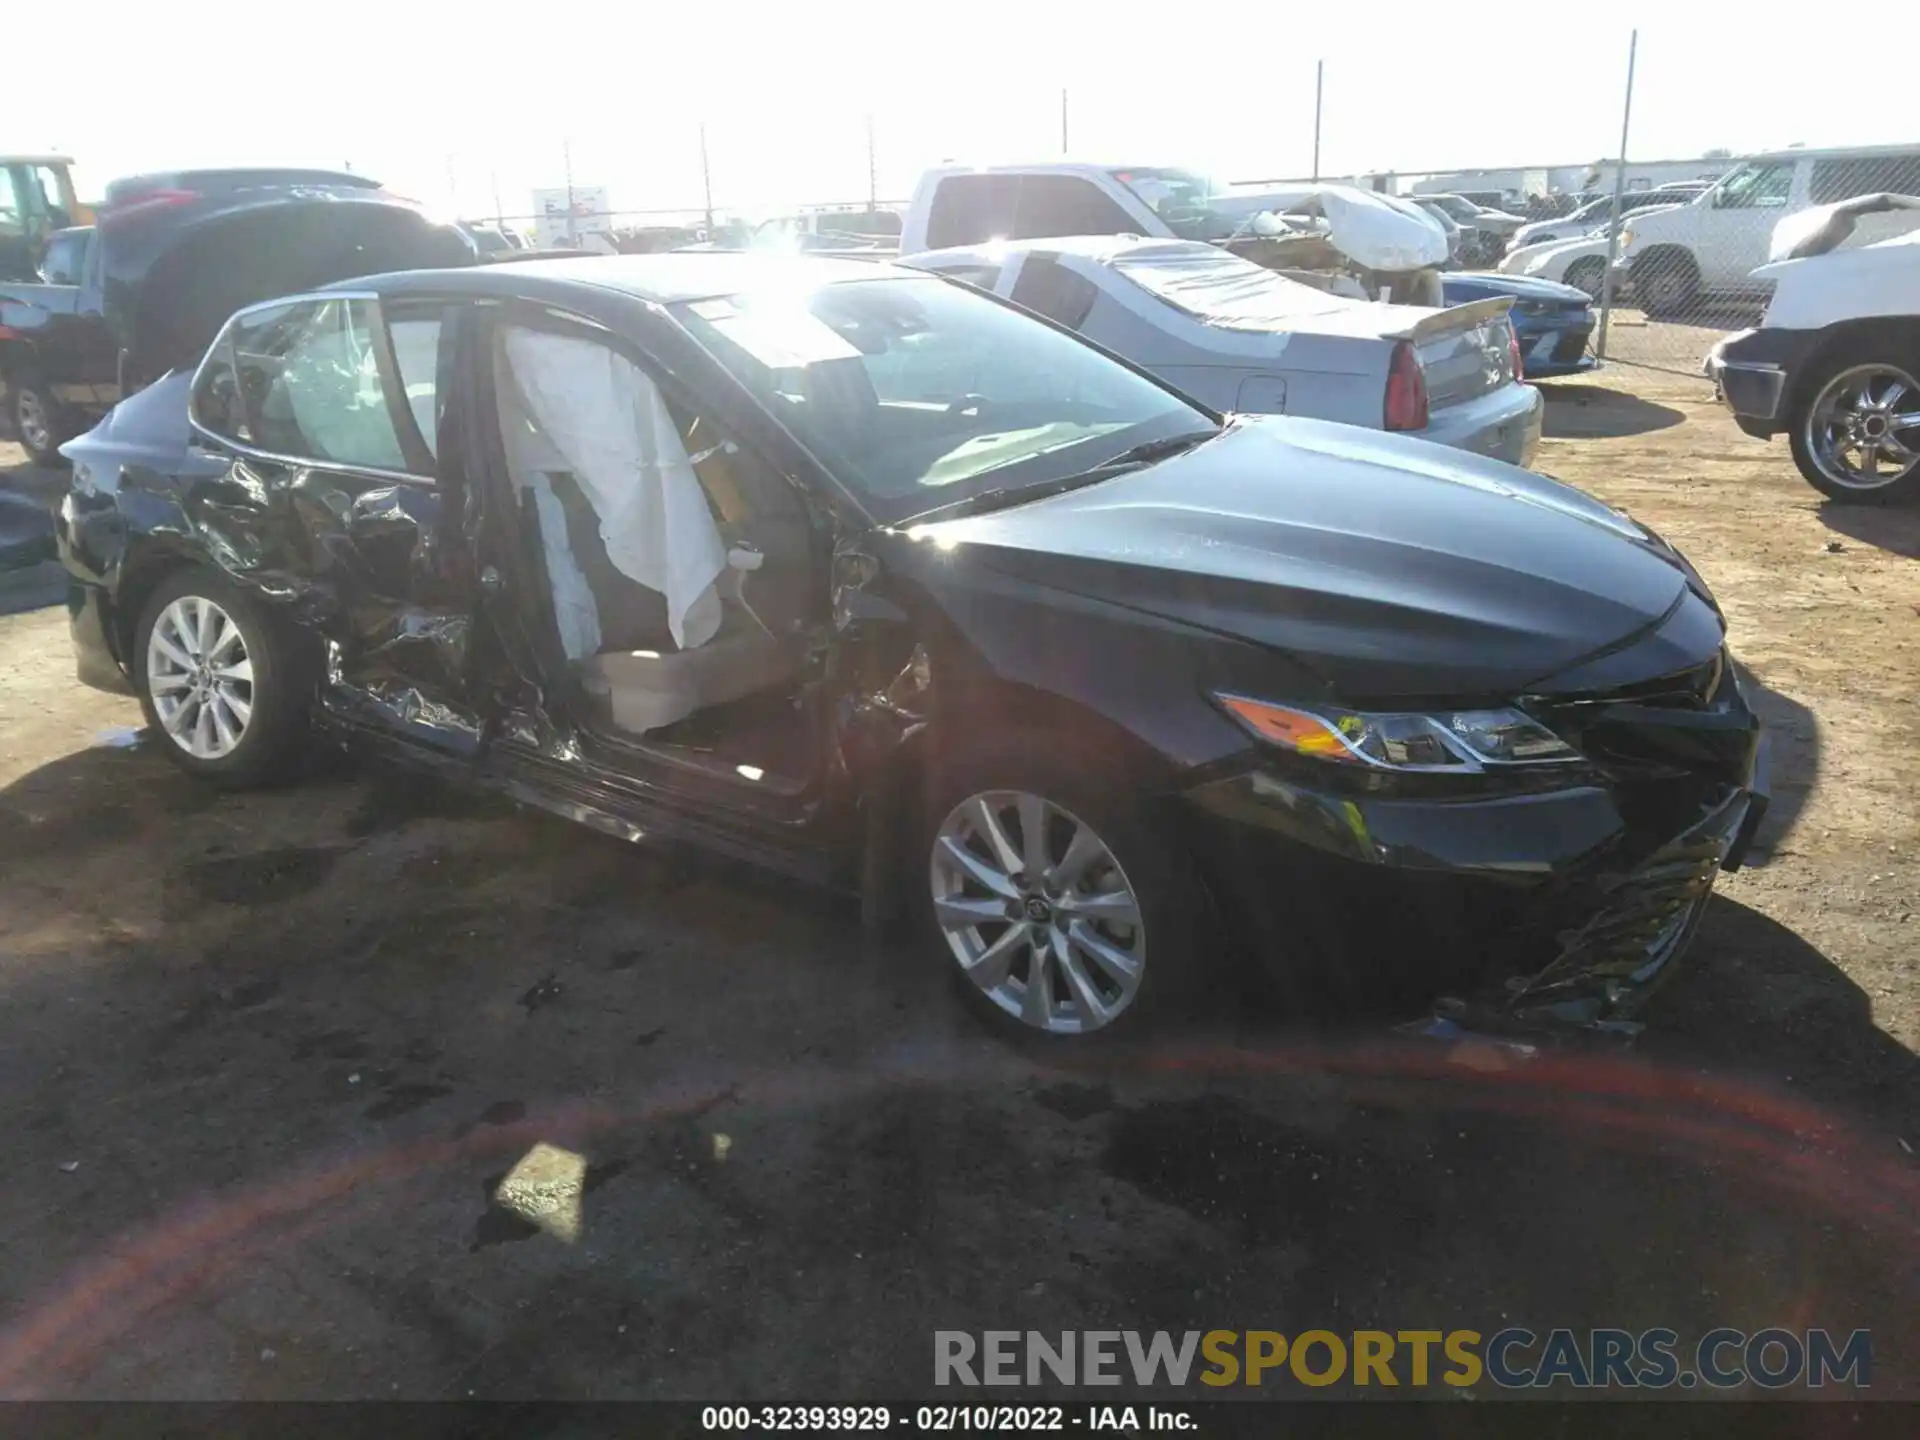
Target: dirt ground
point(265, 1059)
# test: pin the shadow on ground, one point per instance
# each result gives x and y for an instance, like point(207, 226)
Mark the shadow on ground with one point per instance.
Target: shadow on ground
point(29, 576)
point(1586, 412)
point(270, 1058)
point(1894, 528)
point(1793, 757)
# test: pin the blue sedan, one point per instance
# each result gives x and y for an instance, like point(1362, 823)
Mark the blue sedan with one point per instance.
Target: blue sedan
point(1551, 321)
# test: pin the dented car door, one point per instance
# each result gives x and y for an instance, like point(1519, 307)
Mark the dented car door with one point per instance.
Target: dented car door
point(332, 411)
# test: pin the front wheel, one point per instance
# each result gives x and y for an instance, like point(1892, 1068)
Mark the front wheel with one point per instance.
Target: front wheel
point(1061, 910)
point(1857, 438)
point(221, 678)
point(38, 419)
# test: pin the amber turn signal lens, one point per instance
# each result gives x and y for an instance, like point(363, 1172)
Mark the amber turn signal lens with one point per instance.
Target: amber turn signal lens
point(1294, 729)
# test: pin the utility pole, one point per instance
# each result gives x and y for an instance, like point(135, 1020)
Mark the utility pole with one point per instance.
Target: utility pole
point(566, 159)
point(499, 215)
point(1619, 188)
point(706, 178)
point(1063, 119)
point(873, 183)
point(1319, 78)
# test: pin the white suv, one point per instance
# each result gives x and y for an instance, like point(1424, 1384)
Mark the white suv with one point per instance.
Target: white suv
point(1710, 248)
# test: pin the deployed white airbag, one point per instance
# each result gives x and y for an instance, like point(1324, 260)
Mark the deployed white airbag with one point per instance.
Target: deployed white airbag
point(609, 422)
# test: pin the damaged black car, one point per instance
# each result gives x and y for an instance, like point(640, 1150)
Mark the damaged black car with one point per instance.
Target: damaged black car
point(864, 575)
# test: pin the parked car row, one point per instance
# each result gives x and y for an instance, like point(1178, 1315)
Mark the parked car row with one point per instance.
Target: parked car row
point(945, 590)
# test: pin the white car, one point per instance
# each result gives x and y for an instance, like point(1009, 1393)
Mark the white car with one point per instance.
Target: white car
point(1713, 247)
point(1239, 337)
point(1580, 262)
point(1835, 362)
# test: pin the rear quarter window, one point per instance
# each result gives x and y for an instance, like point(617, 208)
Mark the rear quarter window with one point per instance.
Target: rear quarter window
point(967, 209)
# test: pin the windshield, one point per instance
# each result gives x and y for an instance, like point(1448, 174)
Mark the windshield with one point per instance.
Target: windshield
point(1188, 201)
point(917, 394)
point(1456, 207)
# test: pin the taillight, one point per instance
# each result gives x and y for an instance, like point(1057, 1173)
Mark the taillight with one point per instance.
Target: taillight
point(1513, 349)
point(148, 200)
point(1406, 390)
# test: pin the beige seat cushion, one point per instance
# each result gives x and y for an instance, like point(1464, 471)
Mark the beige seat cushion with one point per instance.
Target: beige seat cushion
point(647, 690)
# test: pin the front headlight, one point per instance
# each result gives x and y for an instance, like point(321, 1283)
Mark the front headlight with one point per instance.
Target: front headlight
point(1626, 239)
point(1453, 741)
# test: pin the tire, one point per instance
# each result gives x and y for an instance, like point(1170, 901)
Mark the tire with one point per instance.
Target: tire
point(1589, 275)
point(1831, 396)
point(1666, 283)
point(257, 721)
point(1135, 857)
point(39, 422)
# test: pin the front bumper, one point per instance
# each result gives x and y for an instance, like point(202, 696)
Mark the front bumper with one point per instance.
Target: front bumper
point(1752, 373)
point(1566, 906)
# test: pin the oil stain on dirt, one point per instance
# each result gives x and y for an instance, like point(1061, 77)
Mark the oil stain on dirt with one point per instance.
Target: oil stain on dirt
point(262, 878)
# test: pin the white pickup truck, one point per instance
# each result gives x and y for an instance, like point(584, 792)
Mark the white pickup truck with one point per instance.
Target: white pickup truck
point(1348, 241)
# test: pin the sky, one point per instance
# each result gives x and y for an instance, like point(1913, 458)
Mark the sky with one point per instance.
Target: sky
point(471, 115)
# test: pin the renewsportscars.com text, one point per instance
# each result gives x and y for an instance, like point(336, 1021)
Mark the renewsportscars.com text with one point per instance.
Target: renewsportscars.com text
point(1512, 1358)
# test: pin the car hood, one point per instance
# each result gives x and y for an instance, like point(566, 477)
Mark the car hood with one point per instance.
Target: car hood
point(1484, 284)
point(1387, 566)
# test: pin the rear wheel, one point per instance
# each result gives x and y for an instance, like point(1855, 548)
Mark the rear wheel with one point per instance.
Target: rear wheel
point(1857, 437)
point(1666, 283)
point(39, 420)
point(1060, 910)
point(223, 680)
point(1588, 274)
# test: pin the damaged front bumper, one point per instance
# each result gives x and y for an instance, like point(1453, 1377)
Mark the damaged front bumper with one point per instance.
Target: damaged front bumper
point(1540, 911)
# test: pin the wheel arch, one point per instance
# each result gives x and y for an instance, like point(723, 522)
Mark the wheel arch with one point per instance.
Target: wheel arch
point(1898, 334)
point(898, 793)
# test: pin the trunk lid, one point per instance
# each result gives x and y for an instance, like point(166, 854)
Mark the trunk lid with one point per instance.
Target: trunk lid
point(1465, 351)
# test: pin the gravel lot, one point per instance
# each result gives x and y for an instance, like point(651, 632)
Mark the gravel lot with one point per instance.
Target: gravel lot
point(264, 1060)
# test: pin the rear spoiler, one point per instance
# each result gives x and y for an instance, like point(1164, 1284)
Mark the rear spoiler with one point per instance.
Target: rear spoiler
point(1455, 317)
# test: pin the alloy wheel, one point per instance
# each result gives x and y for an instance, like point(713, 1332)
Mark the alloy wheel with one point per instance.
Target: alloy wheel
point(33, 422)
point(200, 677)
point(1862, 419)
point(1038, 912)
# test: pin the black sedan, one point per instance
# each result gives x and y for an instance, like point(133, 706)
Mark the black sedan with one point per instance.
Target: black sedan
point(868, 576)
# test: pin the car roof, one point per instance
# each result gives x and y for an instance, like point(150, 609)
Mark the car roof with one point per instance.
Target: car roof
point(1845, 152)
point(1102, 249)
point(665, 278)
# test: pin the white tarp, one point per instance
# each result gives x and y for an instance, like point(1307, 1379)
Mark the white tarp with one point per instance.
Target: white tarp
point(1382, 232)
point(1374, 230)
point(1223, 289)
point(609, 423)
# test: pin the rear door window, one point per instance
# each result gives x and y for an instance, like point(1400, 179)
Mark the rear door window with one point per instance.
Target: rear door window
point(1864, 175)
point(314, 380)
point(1068, 205)
point(1049, 288)
point(967, 209)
